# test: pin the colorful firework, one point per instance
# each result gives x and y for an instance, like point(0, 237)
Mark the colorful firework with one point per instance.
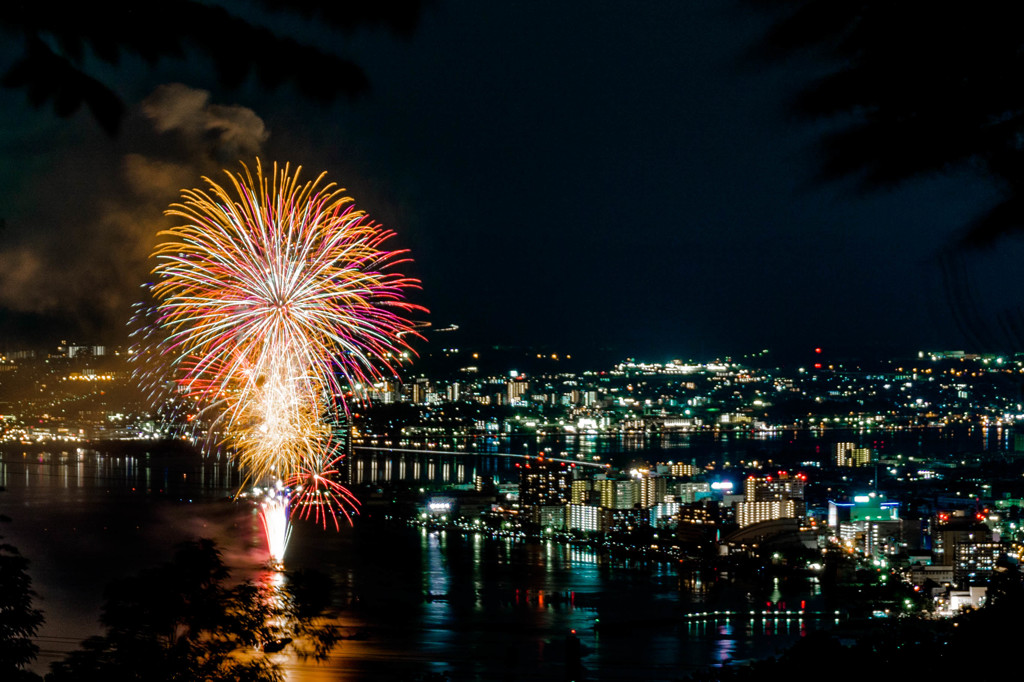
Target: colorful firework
point(273, 298)
point(315, 493)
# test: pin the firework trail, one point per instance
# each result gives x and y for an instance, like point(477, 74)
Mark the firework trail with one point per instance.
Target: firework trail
point(274, 516)
point(272, 298)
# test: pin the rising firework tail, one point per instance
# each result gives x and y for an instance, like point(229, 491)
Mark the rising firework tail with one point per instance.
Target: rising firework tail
point(274, 517)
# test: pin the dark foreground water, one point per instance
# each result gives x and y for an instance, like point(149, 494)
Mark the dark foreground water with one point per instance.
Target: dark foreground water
point(479, 608)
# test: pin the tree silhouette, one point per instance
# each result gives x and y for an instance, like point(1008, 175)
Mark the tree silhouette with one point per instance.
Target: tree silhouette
point(914, 89)
point(19, 621)
point(62, 46)
point(182, 622)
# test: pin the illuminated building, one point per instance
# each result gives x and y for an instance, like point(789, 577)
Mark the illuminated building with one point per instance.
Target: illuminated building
point(849, 455)
point(584, 517)
point(617, 494)
point(680, 469)
point(975, 560)
point(515, 390)
point(550, 516)
point(769, 488)
point(418, 393)
point(581, 488)
point(870, 507)
point(691, 492)
point(454, 391)
point(652, 490)
point(544, 483)
point(869, 524)
point(957, 529)
point(702, 513)
point(663, 511)
point(749, 513)
point(770, 498)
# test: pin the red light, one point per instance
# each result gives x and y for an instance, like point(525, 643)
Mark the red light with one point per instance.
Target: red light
point(818, 351)
point(817, 365)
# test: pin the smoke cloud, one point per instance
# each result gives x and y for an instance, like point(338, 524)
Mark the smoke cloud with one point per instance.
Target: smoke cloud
point(80, 249)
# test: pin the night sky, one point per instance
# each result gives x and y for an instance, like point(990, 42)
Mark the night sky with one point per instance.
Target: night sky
point(577, 175)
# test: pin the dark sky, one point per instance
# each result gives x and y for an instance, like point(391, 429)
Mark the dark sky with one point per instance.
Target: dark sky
point(577, 174)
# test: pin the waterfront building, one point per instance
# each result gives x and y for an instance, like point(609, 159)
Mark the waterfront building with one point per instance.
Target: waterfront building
point(681, 469)
point(514, 391)
point(584, 517)
point(544, 484)
point(551, 516)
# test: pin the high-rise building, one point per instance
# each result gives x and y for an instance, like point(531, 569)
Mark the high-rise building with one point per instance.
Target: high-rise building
point(544, 483)
point(515, 389)
point(861, 457)
point(975, 560)
point(617, 493)
point(966, 544)
point(652, 490)
point(840, 453)
point(454, 391)
point(691, 492)
point(768, 498)
point(580, 489)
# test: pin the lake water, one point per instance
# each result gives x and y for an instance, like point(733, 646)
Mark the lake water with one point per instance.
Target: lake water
point(498, 609)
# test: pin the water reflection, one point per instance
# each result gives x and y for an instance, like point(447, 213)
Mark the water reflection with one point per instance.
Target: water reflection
point(725, 647)
point(64, 471)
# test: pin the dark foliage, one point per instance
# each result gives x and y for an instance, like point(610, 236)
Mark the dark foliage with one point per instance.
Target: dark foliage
point(914, 89)
point(61, 41)
point(19, 621)
point(182, 622)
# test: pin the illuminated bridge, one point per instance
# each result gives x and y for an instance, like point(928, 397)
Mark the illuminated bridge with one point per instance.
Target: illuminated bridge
point(373, 464)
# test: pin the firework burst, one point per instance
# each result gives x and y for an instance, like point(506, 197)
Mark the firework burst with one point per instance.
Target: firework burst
point(275, 296)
